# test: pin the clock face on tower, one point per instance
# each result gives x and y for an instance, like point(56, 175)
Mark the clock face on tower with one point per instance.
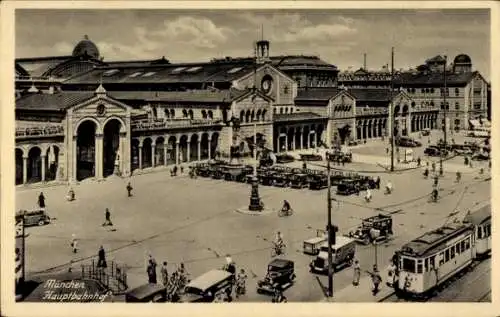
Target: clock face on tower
point(266, 84)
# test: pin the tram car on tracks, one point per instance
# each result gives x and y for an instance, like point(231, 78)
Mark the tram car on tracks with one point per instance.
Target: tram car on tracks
point(481, 220)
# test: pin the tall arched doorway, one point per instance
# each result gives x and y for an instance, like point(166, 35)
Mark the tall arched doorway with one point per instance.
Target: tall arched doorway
point(85, 149)
point(297, 138)
point(214, 143)
point(34, 165)
point(289, 138)
point(159, 155)
point(19, 166)
point(305, 137)
point(171, 150)
point(147, 154)
point(135, 154)
point(51, 163)
point(183, 149)
point(204, 146)
point(111, 145)
point(193, 151)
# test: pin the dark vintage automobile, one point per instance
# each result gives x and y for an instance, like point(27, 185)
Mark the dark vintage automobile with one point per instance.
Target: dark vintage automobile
point(246, 173)
point(348, 187)
point(266, 162)
point(365, 232)
point(435, 151)
point(267, 179)
point(336, 178)
point(426, 132)
point(310, 157)
point(462, 149)
point(407, 142)
point(37, 217)
point(202, 170)
point(318, 181)
point(218, 172)
point(280, 274)
point(481, 157)
point(284, 158)
point(151, 292)
point(340, 157)
point(283, 180)
point(299, 181)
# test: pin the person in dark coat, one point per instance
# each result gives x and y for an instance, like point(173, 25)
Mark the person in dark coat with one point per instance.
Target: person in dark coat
point(377, 182)
point(107, 222)
point(102, 258)
point(41, 200)
point(151, 270)
point(129, 189)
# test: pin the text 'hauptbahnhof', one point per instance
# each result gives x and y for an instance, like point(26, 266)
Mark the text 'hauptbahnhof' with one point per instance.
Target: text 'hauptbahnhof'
point(80, 116)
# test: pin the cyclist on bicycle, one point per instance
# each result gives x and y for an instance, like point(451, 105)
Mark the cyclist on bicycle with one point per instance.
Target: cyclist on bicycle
point(279, 244)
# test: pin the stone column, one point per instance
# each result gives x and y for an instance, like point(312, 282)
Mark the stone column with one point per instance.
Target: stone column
point(177, 152)
point(140, 156)
point(99, 156)
point(199, 149)
point(25, 169)
point(165, 145)
point(209, 147)
point(188, 159)
point(293, 139)
point(301, 139)
point(123, 154)
point(153, 155)
point(43, 167)
point(286, 142)
point(73, 159)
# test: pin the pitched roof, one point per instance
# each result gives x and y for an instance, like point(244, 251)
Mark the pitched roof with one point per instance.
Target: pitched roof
point(38, 66)
point(57, 101)
point(480, 215)
point(370, 94)
point(203, 96)
point(319, 94)
point(433, 78)
point(296, 116)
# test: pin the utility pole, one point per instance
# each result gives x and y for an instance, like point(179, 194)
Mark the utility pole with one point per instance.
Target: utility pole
point(391, 110)
point(330, 232)
point(444, 116)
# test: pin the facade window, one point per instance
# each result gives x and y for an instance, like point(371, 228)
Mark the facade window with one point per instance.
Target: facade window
point(281, 110)
point(457, 106)
point(447, 91)
point(432, 90)
point(184, 113)
point(432, 104)
point(291, 110)
point(427, 90)
point(457, 122)
point(457, 92)
point(167, 113)
point(286, 110)
point(447, 106)
point(442, 105)
point(274, 111)
point(423, 90)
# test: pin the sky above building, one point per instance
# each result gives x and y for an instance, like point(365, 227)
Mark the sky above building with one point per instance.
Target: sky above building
point(340, 37)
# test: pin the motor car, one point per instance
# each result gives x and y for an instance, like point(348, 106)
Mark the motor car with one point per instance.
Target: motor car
point(267, 179)
point(299, 181)
point(280, 274)
point(204, 287)
point(481, 157)
point(380, 222)
point(36, 217)
point(318, 181)
point(347, 187)
point(433, 151)
point(339, 157)
point(282, 180)
point(311, 157)
point(284, 158)
point(311, 246)
point(151, 292)
point(426, 132)
point(343, 252)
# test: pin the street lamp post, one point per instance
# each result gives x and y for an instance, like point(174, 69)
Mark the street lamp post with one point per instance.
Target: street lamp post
point(330, 231)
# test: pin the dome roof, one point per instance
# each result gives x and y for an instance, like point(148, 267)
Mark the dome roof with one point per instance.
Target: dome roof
point(462, 59)
point(86, 47)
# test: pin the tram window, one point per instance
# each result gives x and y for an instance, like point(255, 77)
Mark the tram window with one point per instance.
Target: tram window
point(426, 265)
point(441, 258)
point(479, 232)
point(452, 253)
point(419, 268)
point(467, 244)
point(409, 265)
point(446, 255)
point(457, 248)
point(488, 230)
point(462, 246)
point(432, 262)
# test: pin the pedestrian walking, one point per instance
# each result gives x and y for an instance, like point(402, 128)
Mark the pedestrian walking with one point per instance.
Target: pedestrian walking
point(129, 190)
point(41, 201)
point(107, 221)
point(436, 180)
point(466, 161)
point(164, 274)
point(377, 182)
point(433, 167)
point(74, 243)
point(356, 273)
point(151, 270)
point(419, 161)
point(175, 170)
point(470, 163)
point(376, 280)
point(101, 258)
point(182, 169)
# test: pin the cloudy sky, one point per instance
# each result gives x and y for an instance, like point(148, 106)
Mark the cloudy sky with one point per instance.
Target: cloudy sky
point(340, 37)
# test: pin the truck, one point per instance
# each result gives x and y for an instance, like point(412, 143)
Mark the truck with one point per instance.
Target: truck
point(343, 252)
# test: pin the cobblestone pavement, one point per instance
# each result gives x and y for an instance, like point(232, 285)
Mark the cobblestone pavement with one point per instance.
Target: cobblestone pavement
point(194, 221)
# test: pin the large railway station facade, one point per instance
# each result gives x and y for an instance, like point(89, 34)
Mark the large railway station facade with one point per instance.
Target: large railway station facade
point(80, 117)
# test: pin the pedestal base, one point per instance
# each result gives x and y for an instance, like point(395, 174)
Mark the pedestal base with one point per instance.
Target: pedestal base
point(255, 202)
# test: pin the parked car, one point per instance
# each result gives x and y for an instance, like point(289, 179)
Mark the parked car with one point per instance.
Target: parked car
point(407, 142)
point(204, 287)
point(318, 181)
point(339, 157)
point(311, 246)
point(426, 132)
point(481, 157)
point(299, 181)
point(347, 187)
point(311, 157)
point(284, 158)
point(151, 292)
point(37, 217)
point(282, 180)
point(435, 151)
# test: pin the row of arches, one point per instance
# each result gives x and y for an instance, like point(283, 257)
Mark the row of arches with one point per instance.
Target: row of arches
point(425, 121)
point(371, 128)
point(36, 164)
point(169, 150)
point(283, 110)
point(299, 137)
point(251, 116)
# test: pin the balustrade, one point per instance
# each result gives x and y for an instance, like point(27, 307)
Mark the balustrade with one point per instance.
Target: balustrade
point(163, 124)
point(40, 131)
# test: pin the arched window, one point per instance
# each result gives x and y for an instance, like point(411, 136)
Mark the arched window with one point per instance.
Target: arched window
point(286, 110)
point(274, 110)
point(457, 91)
point(252, 116)
point(291, 110)
point(242, 115)
point(281, 110)
point(172, 113)
point(167, 113)
point(184, 113)
point(203, 114)
point(413, 104)
point(191, 115)
point(210, 114)
point(457, 106)
point(264, 114)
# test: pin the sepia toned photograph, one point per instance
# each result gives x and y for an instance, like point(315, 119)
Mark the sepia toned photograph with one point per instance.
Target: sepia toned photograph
point(252, 156)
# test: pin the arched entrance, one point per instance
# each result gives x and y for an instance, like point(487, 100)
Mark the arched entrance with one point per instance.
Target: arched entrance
point(369, 129)
point(111, 147)
point(19, 166)
point(147, 155)
point(171, 150)
point(135, 154)
point(51, 163)
point(214, 143)
point(289, 139)
point(160, 151)
point(193, 148)
point(204, 146)
point(297, 138)
point(305, 137)
point(85, 149)
point(344, 133)
point(319, 136)
point(183, 149)
point(34, 165)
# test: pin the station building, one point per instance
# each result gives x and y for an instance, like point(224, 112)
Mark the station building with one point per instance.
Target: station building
point(79, 116)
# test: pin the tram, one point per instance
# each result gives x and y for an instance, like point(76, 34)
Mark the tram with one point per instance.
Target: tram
point(481, 220)
point(430, 260)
